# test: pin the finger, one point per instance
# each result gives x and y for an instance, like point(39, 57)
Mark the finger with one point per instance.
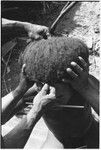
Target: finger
point(52, 90)
point(33, 35)
point(23, 69)
point(52, 94)
point(43, 29)
point(50, 97)
point(47, 34)
point(77, 68)
point(30, 34)
point(83, 63)
point(44, 34)
point(71, 73)
point(37, 37)
point(45, 89)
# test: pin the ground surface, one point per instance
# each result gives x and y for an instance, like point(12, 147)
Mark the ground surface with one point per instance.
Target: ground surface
point(82, 22)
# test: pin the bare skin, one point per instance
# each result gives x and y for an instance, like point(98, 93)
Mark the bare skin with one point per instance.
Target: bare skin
point(66, 81)
point(18, 137)
point(33, 31)
point(84, 83)
point(10, 100)
point(88, 87)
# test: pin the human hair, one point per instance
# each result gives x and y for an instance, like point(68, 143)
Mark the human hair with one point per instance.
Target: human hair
point(47, 60)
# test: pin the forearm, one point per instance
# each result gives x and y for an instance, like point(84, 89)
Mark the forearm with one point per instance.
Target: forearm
point(11, 23)
point(7, 23)
point(18, 137)
point(17, 24)
point(18, 28)
point(32, 91)
point(9, 102)
point(91, 94)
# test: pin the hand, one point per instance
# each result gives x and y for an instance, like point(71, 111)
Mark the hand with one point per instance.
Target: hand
point(25, 83)
point(37, 31)
point(42, 98)
point(32, 91)
point(79, 75)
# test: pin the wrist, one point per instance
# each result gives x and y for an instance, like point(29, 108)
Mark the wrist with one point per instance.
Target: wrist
point(20, 25)
point(38, 107)
point(91, 93)
point(34, 115)
point(25, 25)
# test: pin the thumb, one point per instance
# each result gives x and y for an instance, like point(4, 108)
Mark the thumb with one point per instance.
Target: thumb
point(33, 35)
point(52, 90)
point(45, 89)
point(52, 94)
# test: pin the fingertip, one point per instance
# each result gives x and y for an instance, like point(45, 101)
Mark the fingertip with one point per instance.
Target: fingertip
point(52, 90)
point(73, 63)
point(45, 87)
point(80, 57)
point(68, 69)
point(47, 34)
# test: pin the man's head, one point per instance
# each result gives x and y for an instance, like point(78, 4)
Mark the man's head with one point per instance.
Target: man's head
point(47, 60)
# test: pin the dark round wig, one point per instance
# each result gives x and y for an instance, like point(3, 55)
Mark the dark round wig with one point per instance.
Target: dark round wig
point(47, 60)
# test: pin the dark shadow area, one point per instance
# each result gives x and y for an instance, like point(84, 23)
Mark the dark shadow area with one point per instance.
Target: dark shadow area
point(21, 10)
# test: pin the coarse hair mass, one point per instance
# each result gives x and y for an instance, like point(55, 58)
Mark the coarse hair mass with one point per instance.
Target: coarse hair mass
point(47, 60)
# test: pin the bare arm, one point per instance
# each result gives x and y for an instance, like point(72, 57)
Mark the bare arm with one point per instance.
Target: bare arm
point(91, 94)
point(34, 31)
point(9, 101)
point(18, 137)
point(84, 83)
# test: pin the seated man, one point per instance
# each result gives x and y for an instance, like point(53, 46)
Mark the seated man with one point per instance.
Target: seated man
point(46, 62)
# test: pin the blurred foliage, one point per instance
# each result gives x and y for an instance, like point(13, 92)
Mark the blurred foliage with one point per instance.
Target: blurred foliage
point(26, 10)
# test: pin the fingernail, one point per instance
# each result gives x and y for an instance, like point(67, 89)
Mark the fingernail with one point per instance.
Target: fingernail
point(79, 57)
point(73, 63)
point(69, 69)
